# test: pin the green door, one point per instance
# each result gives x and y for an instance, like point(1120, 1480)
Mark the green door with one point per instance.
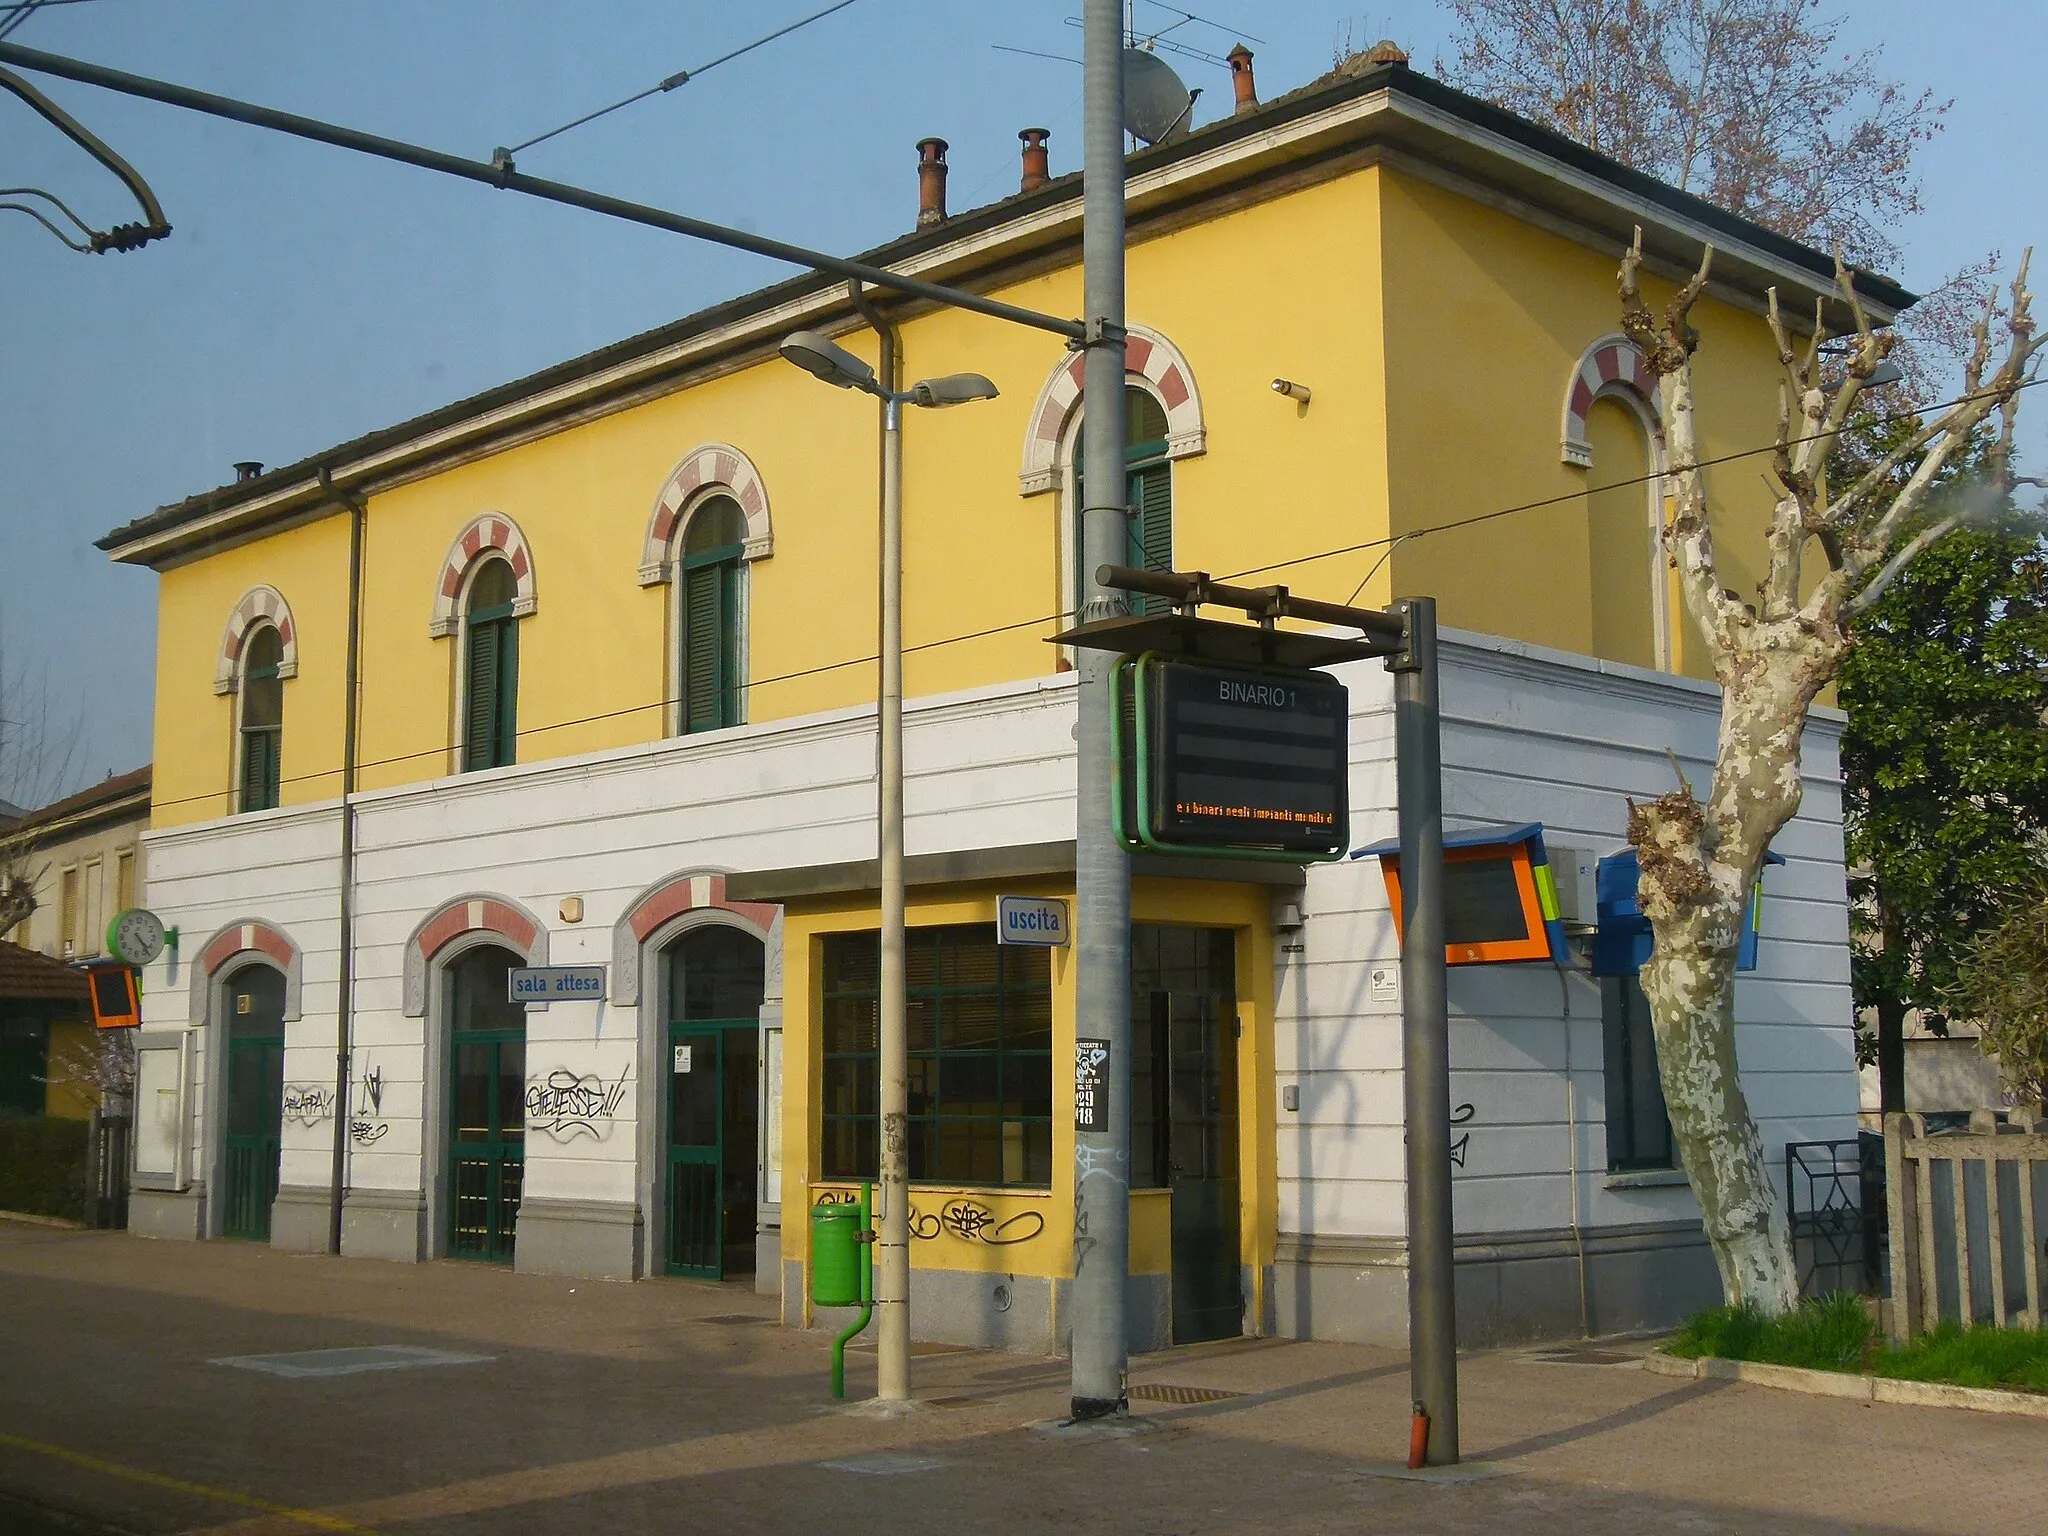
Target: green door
point(714, 1091)
point(712, 1192)
point(486, 1107)
point(1184, 1114)
point(255, 1100)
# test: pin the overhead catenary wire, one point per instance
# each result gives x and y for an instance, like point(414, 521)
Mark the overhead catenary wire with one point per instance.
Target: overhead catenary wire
point(667, 702)
point(680, 77)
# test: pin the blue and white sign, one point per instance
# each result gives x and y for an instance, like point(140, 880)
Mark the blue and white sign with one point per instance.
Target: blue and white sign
point(1032, 920)
point(557, 984)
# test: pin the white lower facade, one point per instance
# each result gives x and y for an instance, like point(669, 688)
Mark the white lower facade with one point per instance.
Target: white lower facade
point(610, 859)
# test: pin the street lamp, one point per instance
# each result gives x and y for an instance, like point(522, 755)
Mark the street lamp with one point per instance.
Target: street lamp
point(820, 356)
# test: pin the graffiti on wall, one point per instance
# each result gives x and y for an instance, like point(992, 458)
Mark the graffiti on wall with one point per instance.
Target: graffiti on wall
point(973, 1222)
point(367, 1127)
point(308, 1103)
point(1460, 1116)
point(566, 1104)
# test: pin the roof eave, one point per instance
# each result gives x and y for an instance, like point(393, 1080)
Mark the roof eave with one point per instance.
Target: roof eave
point(1386, 109)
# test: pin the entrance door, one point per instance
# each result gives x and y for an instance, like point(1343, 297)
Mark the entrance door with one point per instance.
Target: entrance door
point(486, 1107)
point(713, 1173)
point(1184, 1113)
point(255, 1100)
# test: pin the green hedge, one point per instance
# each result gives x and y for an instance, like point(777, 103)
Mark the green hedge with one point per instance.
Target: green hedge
point(43, 1168)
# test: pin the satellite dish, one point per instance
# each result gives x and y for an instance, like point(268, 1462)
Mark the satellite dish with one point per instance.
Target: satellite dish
point(1157, 106)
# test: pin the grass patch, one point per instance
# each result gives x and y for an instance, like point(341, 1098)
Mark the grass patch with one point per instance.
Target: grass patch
point(1836, 1333)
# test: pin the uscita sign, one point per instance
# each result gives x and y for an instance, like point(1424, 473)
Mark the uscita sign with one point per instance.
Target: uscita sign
point(1031, 920)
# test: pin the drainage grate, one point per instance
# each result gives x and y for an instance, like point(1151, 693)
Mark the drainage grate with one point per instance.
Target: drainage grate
point(347, 1362)
point(1580, 1357)
point(954, 1402)
point(733, 1319)
point(1161, 1392)
point(883, 1464)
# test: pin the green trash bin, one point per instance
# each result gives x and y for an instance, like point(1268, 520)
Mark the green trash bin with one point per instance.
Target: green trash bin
point(838, 1255)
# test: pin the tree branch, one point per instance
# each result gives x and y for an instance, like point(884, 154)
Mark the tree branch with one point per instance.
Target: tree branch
point(1668, 346)
point(1868, 597)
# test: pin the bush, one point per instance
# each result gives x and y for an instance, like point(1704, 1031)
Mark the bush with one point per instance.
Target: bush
point(43, 1166)
point(1834, 1333)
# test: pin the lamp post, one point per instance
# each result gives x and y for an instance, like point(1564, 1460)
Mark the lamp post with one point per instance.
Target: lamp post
point(818, 355)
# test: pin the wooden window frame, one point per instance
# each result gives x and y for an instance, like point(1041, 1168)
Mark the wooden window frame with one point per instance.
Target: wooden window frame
point(503, 619)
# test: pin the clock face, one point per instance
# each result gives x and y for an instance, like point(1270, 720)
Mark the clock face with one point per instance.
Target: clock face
point(137, 936)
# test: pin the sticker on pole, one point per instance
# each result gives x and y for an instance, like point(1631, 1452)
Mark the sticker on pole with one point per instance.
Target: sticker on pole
point(1091, 1085)
point(1031, 920)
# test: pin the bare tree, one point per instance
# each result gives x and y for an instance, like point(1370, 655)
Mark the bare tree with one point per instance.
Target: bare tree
point(1700, 860)
point(1754, 105)
point(41, 746)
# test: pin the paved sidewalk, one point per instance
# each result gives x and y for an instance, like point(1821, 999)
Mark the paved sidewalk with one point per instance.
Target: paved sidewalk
point(676, 1407)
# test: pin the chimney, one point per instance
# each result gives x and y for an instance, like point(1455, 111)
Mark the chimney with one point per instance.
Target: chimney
point(1386, 51)
point(931, 182)
point(1037, 166)
point(248, 469)
point(1241, 79)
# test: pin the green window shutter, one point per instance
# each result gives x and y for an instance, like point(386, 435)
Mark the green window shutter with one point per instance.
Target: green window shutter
point(710, 646)
point(259, 770)
point(508, 694)
point(481, 700)
point(1151, 531)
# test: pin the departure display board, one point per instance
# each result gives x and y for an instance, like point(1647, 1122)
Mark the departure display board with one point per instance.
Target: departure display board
point(1243, 759)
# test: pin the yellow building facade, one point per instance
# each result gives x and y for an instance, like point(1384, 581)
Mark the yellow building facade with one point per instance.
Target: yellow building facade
point(1438, 275)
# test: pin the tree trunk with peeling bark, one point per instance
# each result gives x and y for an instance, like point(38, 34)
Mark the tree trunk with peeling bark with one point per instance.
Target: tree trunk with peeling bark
point(1700, 859)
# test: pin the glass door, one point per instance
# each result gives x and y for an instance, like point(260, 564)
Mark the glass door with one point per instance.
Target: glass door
point(713, 1115)
point(255, 1101)
point(486, 1107)
point(1184, 1114)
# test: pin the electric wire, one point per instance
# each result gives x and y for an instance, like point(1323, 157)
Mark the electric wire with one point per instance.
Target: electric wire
point(681, 77)
point(1452, 525)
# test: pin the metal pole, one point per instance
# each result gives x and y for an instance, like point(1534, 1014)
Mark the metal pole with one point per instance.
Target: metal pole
point(892, 1289)
point(1425, 1034)
point(344, 1006)
point(1102, 872)
point(503, 176)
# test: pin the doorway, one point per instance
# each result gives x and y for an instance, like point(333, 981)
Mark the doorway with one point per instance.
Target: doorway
point(486, 1106)
point(1184, 1031)
point(255, 1101)
point(715, 984)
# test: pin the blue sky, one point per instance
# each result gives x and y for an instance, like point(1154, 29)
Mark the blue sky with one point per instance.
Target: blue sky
point(309, 295)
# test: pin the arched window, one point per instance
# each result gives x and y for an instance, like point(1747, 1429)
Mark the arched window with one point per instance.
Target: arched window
point(262, 722)
point(490, 669)
point(708, 616)
point(1148, 493)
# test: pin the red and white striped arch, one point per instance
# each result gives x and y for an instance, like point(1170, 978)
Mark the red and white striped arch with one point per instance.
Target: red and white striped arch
point(1149, 358)
point(1611, 366)
point(505, 921)
point(702, 892)
point(247, 937)
point(259, 606)
point(712, 467)
point(485, 533)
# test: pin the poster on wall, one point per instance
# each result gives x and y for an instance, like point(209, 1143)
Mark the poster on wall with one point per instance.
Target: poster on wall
point(159, 1107)
point(1091, 1085)
point(771, 1158)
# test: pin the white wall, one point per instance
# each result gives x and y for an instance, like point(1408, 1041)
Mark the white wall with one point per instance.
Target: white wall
point(1528, 736)
point(1533, 735)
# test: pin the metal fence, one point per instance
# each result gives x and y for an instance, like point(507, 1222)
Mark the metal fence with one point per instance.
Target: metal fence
point(1968, 1211)
point(1834, 1193)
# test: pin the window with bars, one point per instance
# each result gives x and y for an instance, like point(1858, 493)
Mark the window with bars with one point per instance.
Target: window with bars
point(708, 576)
point(1638, 1127)
point(1148, 494)
point(262, 731)
point(980, 1059)
point(490, 697)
